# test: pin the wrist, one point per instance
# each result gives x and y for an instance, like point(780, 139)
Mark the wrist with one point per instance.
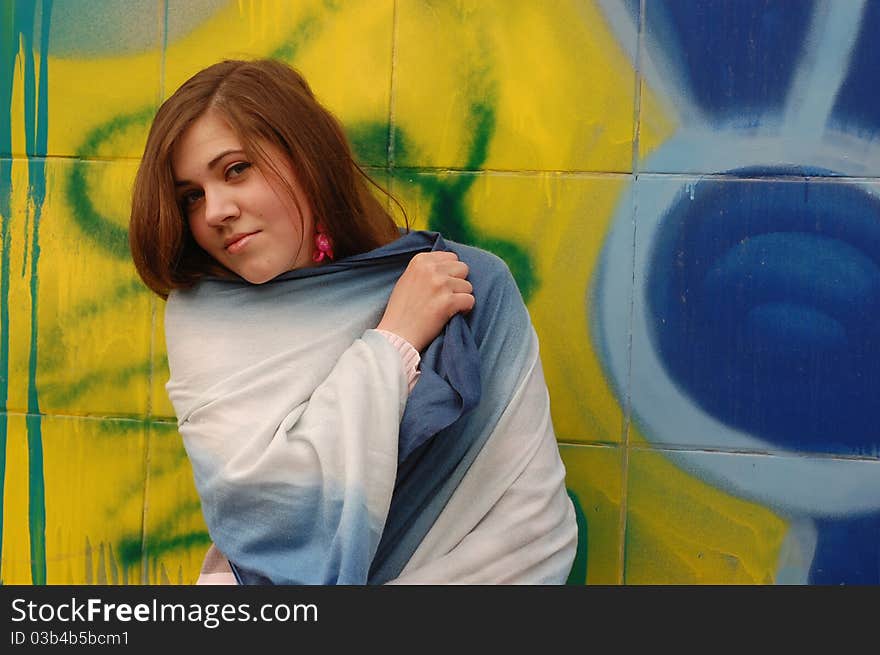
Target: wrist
point(402, 333)
point(409, 356)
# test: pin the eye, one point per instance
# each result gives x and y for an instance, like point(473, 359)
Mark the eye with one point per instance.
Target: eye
point(190, 198)
point(237, 169)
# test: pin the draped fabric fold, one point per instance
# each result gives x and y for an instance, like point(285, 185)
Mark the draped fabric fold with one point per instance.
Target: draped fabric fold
point(312, 463)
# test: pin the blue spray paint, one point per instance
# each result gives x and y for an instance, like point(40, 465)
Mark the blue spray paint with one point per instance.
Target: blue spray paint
point(765, 308)
point(738, 58)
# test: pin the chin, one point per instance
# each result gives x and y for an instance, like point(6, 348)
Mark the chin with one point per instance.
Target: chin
point(259, 277)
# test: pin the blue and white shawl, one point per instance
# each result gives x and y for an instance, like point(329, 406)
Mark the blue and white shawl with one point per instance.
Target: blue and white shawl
point(314, 465)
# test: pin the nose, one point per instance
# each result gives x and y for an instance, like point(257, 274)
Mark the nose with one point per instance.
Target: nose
point(220, 205)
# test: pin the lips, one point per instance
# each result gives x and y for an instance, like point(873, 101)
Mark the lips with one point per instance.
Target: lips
point(238, 241)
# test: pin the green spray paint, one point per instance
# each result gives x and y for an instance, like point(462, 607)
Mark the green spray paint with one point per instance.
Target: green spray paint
point(54, 353)
point(369, 142)
point(18, 24)
point(102, 231)
point(307, 29)
point(91, 308)
point(65, 394)
point(448, 193)
point(38, 140)
point(5, 193)
point(8, 43)
point(132, 550)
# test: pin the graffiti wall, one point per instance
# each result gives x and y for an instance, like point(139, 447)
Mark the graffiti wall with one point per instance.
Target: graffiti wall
point(685, 191)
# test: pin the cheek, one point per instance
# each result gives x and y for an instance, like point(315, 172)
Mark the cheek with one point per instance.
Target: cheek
point(292, 222)
point(200, 232)
point(301, 220)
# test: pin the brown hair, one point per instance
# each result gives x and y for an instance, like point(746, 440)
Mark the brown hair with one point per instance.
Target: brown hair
point(261, 100)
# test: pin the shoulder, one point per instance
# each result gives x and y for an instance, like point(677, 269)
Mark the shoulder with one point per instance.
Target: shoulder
point(499, 307)
point(488, 272)
point(483, 260)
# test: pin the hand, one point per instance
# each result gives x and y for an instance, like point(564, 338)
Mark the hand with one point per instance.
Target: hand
point(431, 290)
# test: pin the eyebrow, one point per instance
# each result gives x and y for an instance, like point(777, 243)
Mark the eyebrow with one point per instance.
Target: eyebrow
point(212, 163)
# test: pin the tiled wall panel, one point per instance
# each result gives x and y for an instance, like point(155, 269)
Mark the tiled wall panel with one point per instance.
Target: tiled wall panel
point(685, 191)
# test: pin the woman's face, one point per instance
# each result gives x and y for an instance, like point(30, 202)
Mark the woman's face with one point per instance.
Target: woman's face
point(239, 214)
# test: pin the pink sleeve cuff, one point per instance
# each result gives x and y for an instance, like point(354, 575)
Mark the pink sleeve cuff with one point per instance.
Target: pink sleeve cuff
point(409, 356)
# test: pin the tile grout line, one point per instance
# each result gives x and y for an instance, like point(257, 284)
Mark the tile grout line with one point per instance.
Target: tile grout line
point(627, 408)
point(392, 89)
point(148, 429)
point(717, 177)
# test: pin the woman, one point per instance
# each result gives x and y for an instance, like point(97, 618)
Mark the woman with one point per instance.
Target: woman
point(359, 404)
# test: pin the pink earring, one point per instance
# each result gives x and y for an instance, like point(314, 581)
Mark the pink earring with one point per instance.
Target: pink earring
point(322, 245)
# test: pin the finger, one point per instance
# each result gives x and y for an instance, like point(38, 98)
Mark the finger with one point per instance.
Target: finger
point(454, 269)
point(438, 255)
point(461, 302)
point(457, 285)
